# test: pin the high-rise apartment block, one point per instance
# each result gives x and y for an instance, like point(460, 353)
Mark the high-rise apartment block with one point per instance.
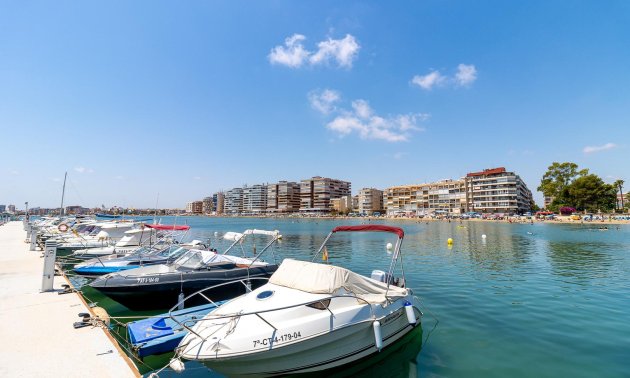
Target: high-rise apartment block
point(234, 201)
point(283, 197)
point(255, 199)
point(218, 201)
point(208, 205)
point(316, 193)
point(497, 191)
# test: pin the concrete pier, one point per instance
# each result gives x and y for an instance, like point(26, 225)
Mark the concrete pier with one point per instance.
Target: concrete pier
point(37, 338)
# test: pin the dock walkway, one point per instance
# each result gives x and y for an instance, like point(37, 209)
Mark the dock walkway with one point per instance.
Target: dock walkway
point(38, 339)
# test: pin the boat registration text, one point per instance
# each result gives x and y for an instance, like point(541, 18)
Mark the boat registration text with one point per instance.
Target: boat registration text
point(277, 339)
point(148, 279)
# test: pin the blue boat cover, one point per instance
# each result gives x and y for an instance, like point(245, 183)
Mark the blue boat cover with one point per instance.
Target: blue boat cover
point(148, 329)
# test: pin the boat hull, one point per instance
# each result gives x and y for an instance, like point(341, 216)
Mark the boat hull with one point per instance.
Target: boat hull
point(330, 350)
point(163, 291)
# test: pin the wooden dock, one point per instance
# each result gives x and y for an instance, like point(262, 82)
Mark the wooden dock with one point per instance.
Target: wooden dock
point(36, 332)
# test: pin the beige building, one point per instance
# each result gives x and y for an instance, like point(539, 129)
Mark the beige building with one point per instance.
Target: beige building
point(283, 197)
point(342, 205)
point(370, 200)
point(219, 202)
point(317, 192)
point(441, 197)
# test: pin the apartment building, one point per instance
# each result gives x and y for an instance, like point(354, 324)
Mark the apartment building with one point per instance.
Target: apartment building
point(496, 190)
point(255, 199)
point(401, 199)
point(218, 202)
point(283, 197)
point(342, 205)
point(440, 197)
point(443, 197)
point(234, 201)
point(370, 201)
point(208, 205)
point(197, 207)
point(317, 192)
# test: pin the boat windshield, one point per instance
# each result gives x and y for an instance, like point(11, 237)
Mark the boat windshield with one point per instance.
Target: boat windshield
point(172, 251)
point(191, 260)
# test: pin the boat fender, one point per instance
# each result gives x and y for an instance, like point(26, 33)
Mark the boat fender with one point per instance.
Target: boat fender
point(101, 314)
point(411, 315)
point(377, 335)
point(177, 365)
point(180, 301)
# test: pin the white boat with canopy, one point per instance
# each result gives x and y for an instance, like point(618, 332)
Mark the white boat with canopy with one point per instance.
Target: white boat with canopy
point(308, 317)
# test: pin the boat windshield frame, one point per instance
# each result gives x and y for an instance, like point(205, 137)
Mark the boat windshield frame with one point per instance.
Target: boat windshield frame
point(396, 255)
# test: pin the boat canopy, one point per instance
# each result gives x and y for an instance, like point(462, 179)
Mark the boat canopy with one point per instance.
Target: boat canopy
point(329, 279)
point(167, 227)
point(262, 232)
point(232, 236)
point(370, 227)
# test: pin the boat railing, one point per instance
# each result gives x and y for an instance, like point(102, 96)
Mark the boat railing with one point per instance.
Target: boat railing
point(188, 324)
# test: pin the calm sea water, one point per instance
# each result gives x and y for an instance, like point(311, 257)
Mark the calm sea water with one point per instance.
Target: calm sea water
point(543, 300)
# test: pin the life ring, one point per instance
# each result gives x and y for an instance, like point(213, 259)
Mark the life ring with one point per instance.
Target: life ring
point(62, 227)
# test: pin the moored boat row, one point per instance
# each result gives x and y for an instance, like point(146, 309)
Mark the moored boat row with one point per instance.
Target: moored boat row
point(242, 315)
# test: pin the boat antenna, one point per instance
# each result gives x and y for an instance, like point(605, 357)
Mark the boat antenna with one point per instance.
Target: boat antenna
point(156, 207)
point(63, 193)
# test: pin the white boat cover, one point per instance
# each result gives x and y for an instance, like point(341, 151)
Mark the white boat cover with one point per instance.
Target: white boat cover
point(232, 236)
point(329, 279)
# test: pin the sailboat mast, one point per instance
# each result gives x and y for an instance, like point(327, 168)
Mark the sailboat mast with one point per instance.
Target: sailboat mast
point(63, 193)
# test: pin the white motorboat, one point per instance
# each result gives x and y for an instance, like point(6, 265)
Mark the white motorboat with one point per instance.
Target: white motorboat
point(308, 317)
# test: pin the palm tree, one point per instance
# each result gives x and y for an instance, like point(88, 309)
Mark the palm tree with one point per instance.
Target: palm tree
point(619, 185)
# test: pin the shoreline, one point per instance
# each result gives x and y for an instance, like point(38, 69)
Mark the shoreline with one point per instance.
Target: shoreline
point(511, 220)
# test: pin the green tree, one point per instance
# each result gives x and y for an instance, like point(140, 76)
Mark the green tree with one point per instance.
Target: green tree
point(590, 193)
point(555, 181)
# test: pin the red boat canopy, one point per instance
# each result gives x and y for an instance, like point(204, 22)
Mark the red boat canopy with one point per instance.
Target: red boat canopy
point(371, 227)
point(169, 227)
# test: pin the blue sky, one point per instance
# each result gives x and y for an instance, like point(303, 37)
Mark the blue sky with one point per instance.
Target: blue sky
point(185, 99)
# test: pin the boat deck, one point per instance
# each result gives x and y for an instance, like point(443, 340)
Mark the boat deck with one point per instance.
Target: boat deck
point(37, 335)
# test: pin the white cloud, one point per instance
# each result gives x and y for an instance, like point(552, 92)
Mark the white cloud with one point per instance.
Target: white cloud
point(343, 51)
point(119, 177)
point(399, 155)
point(363, 121)
point(56, 179)
point(466, 75)
point(429, 81)
point(324, 101)
point(197, 178)
point(293, 54)
point(593, 149)
point(14, 172)
point(83, 170)
point(362, 108)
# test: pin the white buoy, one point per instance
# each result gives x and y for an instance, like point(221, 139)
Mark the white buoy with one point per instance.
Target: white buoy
point(411, 315)
point(216, 233)
point(177, 365)
point(483, 236)
point(389, 246)
point(377, 335)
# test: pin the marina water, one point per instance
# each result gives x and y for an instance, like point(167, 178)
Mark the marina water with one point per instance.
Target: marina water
point(543, 300)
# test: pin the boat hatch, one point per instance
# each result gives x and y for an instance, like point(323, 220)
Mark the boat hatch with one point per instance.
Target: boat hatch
point(264, 295)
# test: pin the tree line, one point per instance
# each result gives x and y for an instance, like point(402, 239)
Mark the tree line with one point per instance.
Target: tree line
point(570, 186)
